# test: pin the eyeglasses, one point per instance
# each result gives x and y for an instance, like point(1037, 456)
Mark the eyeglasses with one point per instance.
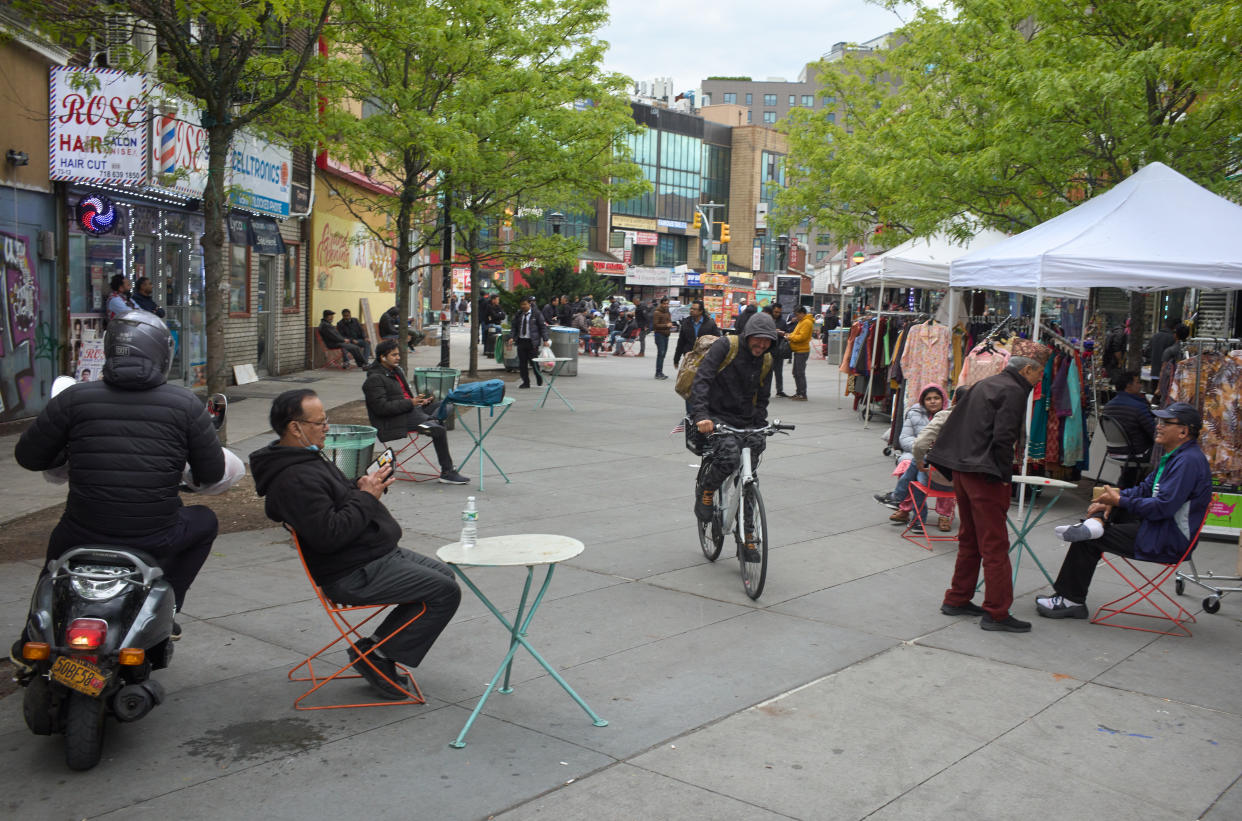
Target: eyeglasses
point(322, 423)
point(1171, 422)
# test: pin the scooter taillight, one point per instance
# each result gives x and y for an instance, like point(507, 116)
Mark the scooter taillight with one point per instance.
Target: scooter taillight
point(86, 634)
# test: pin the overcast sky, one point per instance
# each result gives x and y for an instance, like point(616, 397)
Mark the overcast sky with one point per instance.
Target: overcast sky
point(690, 41)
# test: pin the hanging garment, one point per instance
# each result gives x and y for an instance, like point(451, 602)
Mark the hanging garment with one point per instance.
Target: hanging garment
point(982, 363)
point(1073, 422)
point(925, 358)
point(1039, 414)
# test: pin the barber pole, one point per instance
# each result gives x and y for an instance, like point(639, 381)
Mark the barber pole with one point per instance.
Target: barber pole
point(168, 144)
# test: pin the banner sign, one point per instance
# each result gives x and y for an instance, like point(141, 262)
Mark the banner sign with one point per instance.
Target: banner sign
point(720, 263)
point(645, 238)
point(97, 130)
point(260, 175)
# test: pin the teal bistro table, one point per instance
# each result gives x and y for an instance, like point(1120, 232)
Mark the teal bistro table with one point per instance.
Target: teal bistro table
point(479, 433)
point(557, 367)
point(1021, 531)
point(529, 550)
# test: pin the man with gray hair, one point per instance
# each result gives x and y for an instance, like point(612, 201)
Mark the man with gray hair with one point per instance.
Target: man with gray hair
point(976, 447)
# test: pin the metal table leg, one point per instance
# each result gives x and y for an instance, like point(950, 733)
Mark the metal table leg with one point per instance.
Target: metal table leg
point(556, 371)
point(478, 441)
point(518, 630)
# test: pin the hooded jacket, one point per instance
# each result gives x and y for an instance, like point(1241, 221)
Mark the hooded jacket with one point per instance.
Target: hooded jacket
point(1168, 519)
point(340, 527)
point(127, 439)
point(735, 395)
point(979, 436)
point(390, 411)
point(916, 419)
point(800, 337)
point(686, 335)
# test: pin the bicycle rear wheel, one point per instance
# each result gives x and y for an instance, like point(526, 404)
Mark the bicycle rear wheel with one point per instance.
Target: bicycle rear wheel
point(754, 574)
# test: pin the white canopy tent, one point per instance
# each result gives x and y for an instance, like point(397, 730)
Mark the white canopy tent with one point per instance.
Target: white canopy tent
point(1156, 229)
point(922, 262)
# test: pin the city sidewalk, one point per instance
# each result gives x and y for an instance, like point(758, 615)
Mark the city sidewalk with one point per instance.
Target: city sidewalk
point(842, 693)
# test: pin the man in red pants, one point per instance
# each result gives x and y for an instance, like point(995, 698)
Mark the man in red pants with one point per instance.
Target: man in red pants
point(976, 446)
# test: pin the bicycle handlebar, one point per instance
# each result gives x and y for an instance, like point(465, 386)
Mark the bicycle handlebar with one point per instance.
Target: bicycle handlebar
point(769, 429)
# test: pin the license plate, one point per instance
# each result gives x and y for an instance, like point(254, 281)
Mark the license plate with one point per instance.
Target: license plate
point(79, 675)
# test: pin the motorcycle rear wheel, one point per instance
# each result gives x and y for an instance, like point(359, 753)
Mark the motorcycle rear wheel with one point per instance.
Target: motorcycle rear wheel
point(84, 728)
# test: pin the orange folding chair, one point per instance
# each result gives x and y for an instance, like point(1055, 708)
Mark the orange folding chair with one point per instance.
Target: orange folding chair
point(925, 541)
point(333, 357)
point(416, 445)
point(1142, 599)
point(346, 620)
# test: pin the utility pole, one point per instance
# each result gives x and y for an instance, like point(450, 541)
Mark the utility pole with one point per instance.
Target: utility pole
point(446, 281)
point(705, 211)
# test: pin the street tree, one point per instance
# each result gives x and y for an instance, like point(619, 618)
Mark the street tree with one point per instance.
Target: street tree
point(246, 64)
point(1006, 113)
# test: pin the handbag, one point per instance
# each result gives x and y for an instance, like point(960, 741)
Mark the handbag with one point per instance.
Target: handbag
point(783, 351)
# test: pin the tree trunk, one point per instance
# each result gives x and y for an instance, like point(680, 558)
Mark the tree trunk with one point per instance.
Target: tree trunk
point(1138, 331)
point(404, 217)
point(216, 290)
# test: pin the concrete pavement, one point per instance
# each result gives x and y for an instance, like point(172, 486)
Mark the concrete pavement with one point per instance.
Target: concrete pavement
point(842, 693)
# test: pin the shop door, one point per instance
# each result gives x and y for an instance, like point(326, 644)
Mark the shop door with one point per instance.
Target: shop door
point(264, 290)
point(174, 284)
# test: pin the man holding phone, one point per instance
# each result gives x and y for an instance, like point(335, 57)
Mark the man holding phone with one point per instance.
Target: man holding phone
point(350, 540)
point(394, 410)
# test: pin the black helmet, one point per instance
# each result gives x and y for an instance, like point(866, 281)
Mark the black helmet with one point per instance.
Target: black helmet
point(138, 343)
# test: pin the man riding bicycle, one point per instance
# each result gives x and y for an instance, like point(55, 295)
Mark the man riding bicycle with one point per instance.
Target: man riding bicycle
point(732, 386)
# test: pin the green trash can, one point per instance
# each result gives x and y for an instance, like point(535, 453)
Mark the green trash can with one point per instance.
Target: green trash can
point(350, 447)
point(437, 382)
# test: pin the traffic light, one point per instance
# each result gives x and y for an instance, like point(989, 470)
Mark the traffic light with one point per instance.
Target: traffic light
point(698, 220)
point(508, 220)
point(724, 232)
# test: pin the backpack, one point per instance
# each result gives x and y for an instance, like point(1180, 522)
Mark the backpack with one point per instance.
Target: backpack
point(487, 392)
point(690, 363)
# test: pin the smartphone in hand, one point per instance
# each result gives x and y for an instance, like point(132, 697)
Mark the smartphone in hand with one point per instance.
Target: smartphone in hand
point(382, 463)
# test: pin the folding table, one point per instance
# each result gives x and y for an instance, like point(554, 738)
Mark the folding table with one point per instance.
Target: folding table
point(479, 434)
point(555, 372)
point(525, 550)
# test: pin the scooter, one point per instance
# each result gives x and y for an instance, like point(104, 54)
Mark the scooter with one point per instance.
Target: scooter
point(100, 623)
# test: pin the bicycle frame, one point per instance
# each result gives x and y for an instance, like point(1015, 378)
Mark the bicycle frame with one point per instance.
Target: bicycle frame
point(731, 492)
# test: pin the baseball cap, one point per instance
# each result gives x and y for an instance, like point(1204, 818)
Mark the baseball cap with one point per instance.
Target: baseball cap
point(1183, 413)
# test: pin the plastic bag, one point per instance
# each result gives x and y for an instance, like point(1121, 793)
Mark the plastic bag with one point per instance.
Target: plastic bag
point(234, 470)
point(545, 359)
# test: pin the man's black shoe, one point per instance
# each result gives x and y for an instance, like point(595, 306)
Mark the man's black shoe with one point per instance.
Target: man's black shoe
point(524, 385)
point(452, 477)
point(377, 682)
point(1007, 625)
point(967, 609)
point(782, 393)
point(888, 500)
point(703, 505)
point(176, 632)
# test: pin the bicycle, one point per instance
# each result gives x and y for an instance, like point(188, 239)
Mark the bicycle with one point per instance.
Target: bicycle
point(738, 506)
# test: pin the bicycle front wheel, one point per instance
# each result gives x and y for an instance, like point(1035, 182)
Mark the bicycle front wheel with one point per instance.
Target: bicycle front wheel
point(752, 537)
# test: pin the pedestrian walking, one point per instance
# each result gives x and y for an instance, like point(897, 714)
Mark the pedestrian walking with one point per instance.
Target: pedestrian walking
point(662, 326)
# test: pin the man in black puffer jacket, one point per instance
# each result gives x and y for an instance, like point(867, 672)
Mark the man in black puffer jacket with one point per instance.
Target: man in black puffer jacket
point(349, 540)
point(127, 440)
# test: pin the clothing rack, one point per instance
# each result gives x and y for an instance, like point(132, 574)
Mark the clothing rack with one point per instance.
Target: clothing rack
point(875, 341)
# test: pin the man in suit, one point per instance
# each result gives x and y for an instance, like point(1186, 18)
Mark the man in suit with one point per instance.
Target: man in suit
point(529, 332)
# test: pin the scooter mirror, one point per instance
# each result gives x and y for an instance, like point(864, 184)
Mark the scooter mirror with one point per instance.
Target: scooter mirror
point(216, 406)
point(62, 382)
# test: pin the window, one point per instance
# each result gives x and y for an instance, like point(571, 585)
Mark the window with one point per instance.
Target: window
point(832, 117)
point(801, 237)
point(707, 99)
point(831, 99)
point(808, 100)
point(730, 97)
point(750, 99)
point(239, 279)
point(820, 256)
point(769, 117)
point(823, 239)
point(792, 99)
point(289, 283)
point(749, 116)
point(769, 99)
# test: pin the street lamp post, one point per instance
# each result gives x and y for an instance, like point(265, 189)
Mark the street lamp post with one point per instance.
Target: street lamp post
point(556, 219)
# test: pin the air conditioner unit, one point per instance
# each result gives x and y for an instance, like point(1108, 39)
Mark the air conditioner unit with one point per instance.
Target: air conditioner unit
point(127, 40)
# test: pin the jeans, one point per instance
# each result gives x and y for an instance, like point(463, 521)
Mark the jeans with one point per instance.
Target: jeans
point(364, 344)
point(902, 488)
point(408, 580)
point(799, 372)
point(983, 540)
point(614, 340)
point(778, 374)
point(642, 341)
point(661, 342)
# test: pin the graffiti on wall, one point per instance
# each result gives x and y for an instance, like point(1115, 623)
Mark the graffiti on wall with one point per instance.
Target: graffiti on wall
point(345, 250)
point(19, 333)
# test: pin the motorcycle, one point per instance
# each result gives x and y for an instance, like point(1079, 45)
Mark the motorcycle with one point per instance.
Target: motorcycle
point(100, 623)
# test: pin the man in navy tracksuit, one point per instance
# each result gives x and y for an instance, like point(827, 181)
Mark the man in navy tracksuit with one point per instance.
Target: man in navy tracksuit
point(1152, 522)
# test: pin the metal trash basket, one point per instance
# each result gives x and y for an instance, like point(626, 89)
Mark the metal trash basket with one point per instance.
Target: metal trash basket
point(565, 343)
point(350, 447)
point(438, 382)
point(835, 345)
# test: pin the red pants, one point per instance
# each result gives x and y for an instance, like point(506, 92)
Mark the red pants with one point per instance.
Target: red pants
point(982, 538)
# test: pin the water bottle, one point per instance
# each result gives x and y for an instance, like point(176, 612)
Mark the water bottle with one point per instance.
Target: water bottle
point(469, 524)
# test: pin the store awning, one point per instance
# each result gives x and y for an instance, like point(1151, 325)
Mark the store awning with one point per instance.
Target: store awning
point(260, 233)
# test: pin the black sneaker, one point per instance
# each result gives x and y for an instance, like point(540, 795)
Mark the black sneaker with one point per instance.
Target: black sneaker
point(703, 505)
point(176, 632)
point(452, 477)
point(1007, 625)
point(1059, 607)
point(967, 609)
point(377, 682)
point(888, 500)
point(782, 393)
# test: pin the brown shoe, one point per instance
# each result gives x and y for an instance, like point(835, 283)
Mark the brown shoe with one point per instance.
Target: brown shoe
point(945, 524)
point(900, 517)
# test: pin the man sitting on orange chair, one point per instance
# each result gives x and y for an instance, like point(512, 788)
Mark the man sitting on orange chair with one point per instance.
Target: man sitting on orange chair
point(1152, 522)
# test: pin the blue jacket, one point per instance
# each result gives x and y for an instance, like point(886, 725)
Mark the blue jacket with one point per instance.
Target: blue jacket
point(1167, 522)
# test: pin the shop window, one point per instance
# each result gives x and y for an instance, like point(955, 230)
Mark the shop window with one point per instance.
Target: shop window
point(289, 284)
point(239, 279)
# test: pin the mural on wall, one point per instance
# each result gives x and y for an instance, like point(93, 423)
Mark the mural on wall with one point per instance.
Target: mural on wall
point(20, 331)
point(349, 258)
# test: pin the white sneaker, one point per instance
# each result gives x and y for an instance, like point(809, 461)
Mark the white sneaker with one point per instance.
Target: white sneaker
point(1059, 607)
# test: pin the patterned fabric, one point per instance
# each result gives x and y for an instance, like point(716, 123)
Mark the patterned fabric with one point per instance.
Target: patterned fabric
point(982, 363)
point(925, 359)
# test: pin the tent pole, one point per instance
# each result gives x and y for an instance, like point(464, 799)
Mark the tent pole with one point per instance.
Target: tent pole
point(1030, 406)
point(875, 341)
